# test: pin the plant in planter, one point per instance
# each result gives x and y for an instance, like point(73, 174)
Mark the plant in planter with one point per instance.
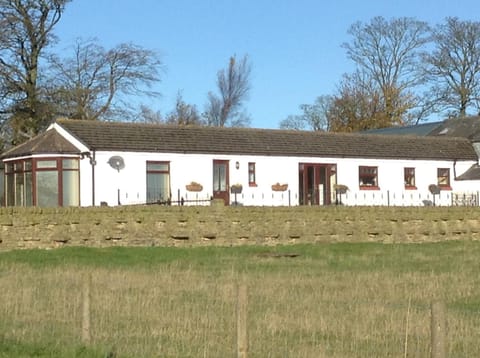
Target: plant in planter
point(340, 188)
point(236, 189)
point(194, 186)
point(434, 190)
point(279, 187)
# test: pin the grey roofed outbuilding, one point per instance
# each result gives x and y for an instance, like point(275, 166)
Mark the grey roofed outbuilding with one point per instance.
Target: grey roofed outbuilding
point(138, 137)
point(466, 127)
point(421, 129)
point(472, 173)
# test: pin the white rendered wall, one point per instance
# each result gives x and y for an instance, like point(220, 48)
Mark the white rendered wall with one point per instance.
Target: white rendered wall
point(130, 182)
point(391, 182)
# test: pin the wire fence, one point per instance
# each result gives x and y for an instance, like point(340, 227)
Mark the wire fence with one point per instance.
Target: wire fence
point(229, 325)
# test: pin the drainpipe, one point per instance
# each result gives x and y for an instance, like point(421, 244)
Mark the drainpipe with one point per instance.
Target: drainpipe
point(93, 162)
point(455, 169)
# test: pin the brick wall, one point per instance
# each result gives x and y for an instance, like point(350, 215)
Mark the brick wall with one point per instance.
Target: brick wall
point(219, 225)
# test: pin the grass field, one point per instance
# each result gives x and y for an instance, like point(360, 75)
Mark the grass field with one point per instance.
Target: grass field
point(332, 300)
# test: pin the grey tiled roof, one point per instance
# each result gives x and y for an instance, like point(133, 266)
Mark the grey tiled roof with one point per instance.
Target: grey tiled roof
point(136, 137)
point(473, 173)
point(49, 142)
point(466, 127)
point(421, 129)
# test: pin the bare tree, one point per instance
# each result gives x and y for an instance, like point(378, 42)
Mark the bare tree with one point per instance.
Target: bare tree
point(27, 29)
point(148, 115)
point(184, 114)
point(234, 87)
point(389, 53)
point(294, 122)
point(314, 117)
point(93, 83)
point(454, 66)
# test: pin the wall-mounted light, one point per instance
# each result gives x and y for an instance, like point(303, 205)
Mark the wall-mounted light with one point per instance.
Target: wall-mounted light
point(237, 165)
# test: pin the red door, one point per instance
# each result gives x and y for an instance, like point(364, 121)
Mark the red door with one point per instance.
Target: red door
point(220, 181)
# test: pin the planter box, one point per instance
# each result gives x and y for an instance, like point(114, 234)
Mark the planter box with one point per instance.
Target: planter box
point(279, 187)
point(236, 189)
point(194, 187)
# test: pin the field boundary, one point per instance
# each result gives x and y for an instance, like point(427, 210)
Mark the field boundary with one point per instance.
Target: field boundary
point(230, 226)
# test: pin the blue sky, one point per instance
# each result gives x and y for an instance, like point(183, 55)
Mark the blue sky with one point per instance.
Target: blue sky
point(294, 46)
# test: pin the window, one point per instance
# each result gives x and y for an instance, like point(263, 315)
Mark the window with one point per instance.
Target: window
point(251, 175)
point(443, 178)
point(43, 182)
point(158, 182)
point(2, 184)
point(47, 188)
point(409, 178)
point(9, 188)
point(70, 182)
point(367, 177)
point(46, 164)
point(18, 178)
point(46, 183)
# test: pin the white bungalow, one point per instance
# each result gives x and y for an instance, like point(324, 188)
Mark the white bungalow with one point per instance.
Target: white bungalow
point(89, 163)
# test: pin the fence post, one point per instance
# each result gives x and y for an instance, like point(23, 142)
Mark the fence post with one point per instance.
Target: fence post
point(405, 350)
point(438, 330)
point(242, 333)
point(87, 282)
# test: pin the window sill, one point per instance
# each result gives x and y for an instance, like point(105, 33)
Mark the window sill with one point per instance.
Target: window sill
point(445, 187)
point(252, 185)
point(369, 187)
point(410, 188)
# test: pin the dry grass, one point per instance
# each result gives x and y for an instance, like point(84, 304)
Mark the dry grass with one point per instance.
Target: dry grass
point(325, 303)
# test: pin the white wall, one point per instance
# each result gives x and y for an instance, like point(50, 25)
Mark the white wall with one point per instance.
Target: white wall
point(391, 182)
point(86, 182)
point(131, 181)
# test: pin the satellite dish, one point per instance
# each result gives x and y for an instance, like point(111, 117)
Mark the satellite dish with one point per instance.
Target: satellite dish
point(117, 162)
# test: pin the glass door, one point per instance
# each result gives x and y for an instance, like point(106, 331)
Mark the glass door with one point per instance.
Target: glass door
point(220, 180)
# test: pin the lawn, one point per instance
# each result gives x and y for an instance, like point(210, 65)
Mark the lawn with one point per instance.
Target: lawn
point(323, 300)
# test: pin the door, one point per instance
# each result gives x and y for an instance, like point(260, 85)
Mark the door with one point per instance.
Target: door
point(316, 181)
point(220, 181)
